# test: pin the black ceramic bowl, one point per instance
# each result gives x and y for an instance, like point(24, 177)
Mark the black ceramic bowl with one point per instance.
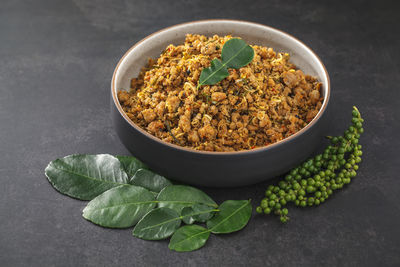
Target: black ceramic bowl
point(219, 169)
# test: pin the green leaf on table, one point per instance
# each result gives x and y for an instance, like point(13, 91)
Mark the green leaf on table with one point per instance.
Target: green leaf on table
point(236, 53)
point(189, 238)
point(85, 176)
point(233, 215)
point(159, 223)
point(197, 213)
point(120, 207)
point(179, 196)
point(213, 74)
point(150, 180)
point(131, 164)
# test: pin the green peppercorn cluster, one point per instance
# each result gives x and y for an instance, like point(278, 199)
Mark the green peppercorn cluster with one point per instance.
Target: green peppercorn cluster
point(311, 183)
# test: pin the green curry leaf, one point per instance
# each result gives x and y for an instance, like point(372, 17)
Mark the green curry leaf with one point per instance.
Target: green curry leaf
point(189, 238)
point(232, 217)
point(131, 164)
point(197, 213)
point(120, 207)
point(150, 180)
point(213, 74)
point(162, 222)
point(85, 176)
point(177, 197)
point(158, 224)
point(123, 194)
point(235, 54)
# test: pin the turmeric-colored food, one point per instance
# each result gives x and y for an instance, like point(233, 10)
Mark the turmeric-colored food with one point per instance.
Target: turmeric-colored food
point(259, 104)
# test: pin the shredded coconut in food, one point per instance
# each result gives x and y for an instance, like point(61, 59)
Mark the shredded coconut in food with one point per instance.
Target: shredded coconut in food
point(256, 105)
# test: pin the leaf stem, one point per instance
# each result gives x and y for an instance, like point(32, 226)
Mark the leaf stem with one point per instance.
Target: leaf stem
point(176, 218)
point(169, 130)
point(198, 213)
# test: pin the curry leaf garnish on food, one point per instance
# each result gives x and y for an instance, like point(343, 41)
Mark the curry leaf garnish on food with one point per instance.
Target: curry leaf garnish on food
point(213, 74)
point(235, 54)
point(86, 176)
point(123, 194)
point(167, 124)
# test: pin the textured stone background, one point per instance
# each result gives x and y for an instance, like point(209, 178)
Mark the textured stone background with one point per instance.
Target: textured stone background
point(57, 58)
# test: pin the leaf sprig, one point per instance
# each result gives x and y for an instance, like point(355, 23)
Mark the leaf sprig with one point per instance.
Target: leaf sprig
point(124, 193)
point(235, 54)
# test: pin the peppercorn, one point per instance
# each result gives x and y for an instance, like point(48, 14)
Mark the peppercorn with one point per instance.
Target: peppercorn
point(313, 181)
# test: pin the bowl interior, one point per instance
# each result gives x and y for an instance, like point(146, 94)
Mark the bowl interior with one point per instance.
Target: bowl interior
point(130, 65)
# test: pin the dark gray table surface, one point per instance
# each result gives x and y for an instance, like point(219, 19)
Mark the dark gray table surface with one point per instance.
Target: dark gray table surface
point(57, 59)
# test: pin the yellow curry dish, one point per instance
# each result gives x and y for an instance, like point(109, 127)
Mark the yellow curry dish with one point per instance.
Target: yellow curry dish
point(255, 106)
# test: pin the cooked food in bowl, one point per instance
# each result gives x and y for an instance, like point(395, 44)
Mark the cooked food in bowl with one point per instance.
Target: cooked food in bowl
point(256, 105)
